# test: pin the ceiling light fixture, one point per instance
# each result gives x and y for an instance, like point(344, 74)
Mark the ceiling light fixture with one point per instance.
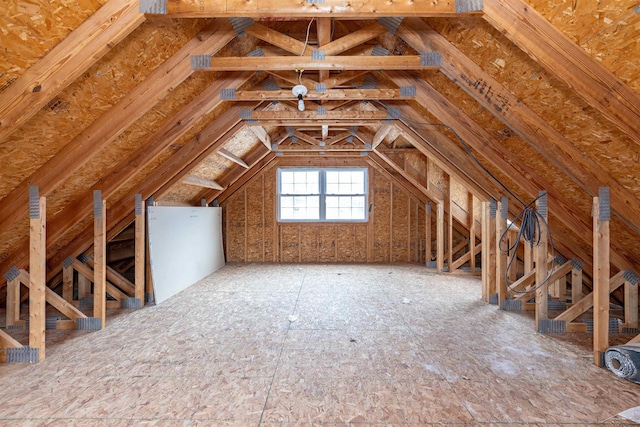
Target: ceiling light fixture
point(299, 91)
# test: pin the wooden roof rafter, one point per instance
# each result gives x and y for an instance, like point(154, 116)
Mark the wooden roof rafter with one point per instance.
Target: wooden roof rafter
point(66, 62)
point(548, 46)
point(111, 124)
point(532, 128)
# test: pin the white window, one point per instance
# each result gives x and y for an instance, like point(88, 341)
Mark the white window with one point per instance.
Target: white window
point(322, 194)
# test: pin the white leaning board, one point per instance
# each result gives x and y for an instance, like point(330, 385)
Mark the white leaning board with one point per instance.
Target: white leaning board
point(185, 245)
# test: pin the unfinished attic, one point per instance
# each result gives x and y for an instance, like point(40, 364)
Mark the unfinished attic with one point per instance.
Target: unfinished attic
point(274, 212)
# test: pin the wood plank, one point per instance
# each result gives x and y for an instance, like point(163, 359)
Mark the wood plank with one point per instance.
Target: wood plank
point(66, 308)
point(541, 254)
point(557, 273)
point(13, 302)
point(313, 115)
point(68, 60)
point(586, 302)
point(262, 135)
point(576, 285)
point(561, 152)
point(330, 63)
point(440, 236)
point(108, 126)
point(201, 182)
point(427, 233)
point(631, 304)
point(465, 258)
point(552, 49)
point(501, 255)
point(601, 269)
point(7, 341)
point(327, 95)
point(323, 30)
point(486, 218)
point(287, 9)
point(38, 269)
point(472, 233)
point(140, 249)
point(100, 258)
point(67, 283)
point(448, 209)
point(232, 157)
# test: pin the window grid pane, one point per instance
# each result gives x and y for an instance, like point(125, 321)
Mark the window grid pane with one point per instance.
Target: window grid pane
point(322, 195)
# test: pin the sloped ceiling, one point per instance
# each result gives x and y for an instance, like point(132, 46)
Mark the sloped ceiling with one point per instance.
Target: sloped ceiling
point(96, 95)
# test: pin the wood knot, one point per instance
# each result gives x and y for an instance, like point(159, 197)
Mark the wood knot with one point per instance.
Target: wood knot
point(36, 89)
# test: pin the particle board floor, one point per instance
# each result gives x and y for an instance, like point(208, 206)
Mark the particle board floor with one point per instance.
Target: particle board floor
point(285, 345)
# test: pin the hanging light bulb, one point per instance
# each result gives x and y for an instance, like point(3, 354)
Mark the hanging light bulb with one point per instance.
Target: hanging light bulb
point(300, 91)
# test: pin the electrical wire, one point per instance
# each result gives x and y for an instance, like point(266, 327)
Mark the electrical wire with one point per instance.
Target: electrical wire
point(306, 40)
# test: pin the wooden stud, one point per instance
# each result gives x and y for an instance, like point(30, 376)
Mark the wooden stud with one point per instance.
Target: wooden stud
point(576, 285)
point(501, 246)
point(427, 233)
point(38, 268)
point(449, 209)
point(67, 283)
point(323, 28)
point(542, 303)
point(601, 268)
point(100, 258)
point(512, 273)
point(13, 302)
point(631, 304)
point(528, 257)
point(492, 239)
point(140, 246)
point(485, 251)
point(472, 232)
point(390, 221)
point(440, 237)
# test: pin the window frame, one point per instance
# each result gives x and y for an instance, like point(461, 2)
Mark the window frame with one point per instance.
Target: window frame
point(322, 182)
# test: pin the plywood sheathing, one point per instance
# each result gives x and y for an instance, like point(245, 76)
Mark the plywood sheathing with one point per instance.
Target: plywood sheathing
point(30, 29)
point(398, 223)
point(87, 98)
point(551, 100)
point(357, 353)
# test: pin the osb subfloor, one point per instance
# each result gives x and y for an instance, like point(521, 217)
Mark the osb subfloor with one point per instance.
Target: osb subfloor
point(275, 345)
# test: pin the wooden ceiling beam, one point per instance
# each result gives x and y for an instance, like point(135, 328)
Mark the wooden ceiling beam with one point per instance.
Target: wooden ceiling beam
point(323, 28)
point(289, 63)
point(548, 46)
point(201, 182)
point(328, 95)
point(262, 135)
point(533, 129)
point(313, 115)
point(380, 135)
point(232, 157)
point(85, 45)
point(109, 125)
point(288, 9)
point(313, 122)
